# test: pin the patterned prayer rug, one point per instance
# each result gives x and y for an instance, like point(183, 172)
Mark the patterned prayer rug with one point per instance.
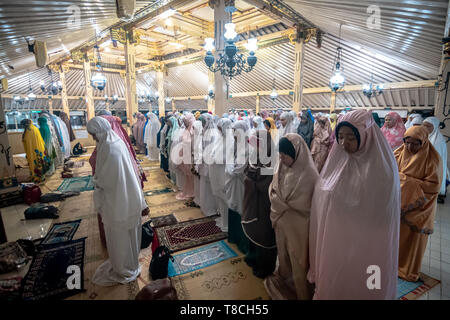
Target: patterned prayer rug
point(61, 232)
point(48, 277)
point(413, 290)
point(79, 184)
point(163, 221)
point(185, 235)
point(231, 279)
point(200, 258)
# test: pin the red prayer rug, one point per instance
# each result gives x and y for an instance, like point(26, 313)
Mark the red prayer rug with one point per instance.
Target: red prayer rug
point(190, 234)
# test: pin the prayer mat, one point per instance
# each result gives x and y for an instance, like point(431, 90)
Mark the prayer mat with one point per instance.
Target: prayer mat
point(79, 184)
point(185, 235)
point(200, 258)
point(163, 221)
point(162, 198)
point(413, 290)
point(48, 277)
point(156, 192)
point(61, 232)
point(231, 279)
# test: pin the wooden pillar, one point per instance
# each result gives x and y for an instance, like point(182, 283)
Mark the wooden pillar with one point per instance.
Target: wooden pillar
point(161, 98)
point(90, 109)
point(440, 93)
point(130, 80)
point(50, 106)
point(173, 106)
point(298, 76)
point(257, 104)
point(333, 102)
point(220, 87)
point(211, 104)
point(7, 169)
point(64, 100)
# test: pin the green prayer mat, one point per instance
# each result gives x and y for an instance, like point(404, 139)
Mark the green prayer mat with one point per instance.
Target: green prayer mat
point(79, 184)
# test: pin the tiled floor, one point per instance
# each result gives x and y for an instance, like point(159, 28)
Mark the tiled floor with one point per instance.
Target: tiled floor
point(436, 262)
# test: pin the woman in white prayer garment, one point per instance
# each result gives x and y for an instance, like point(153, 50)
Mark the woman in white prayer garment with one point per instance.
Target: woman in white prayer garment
point(217, 170)
point(208, 203)
point(119, 199)
point(150, 136)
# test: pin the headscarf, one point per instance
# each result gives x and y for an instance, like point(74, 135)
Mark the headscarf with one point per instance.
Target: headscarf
point(44, 130)
point(104, 112)
point(412, 120)
point(138, 129)
point(292, 187)
point(420, 177)
point(116, 125)
point(34, 147)
point(310, 115)
point(234, 172)
point(197, 115)
point(306, 129)
point(65, 136)
point(259, 123)
point(438, 141)
point(333, 118)
point(117, 195)
point(355, 217)
point(273, 129)
point(376, 118)
point(151, 130)
point(64, 117)
point(290, 126)
point(264, 114)
point(394, 135)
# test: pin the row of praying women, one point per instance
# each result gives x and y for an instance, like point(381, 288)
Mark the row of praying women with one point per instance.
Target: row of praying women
point(46, 148)
point(367, 208)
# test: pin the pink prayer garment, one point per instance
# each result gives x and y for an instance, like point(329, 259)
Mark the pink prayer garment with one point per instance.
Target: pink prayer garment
point(355, 218)
point(394, 135)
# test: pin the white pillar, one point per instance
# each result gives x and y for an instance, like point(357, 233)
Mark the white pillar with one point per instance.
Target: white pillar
point(130, 80)
point(220, 19)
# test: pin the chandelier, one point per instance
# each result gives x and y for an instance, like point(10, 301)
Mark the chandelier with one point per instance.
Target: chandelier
point(369, 91)
point(337, 80)
point(113, 99)
point(230, 62)
point(274, 93)
point(98, 81)
point(53, 88)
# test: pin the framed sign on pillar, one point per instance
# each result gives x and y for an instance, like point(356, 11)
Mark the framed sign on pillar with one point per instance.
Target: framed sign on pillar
point(64, 100)
point(161, 95)
point(130, 80)
point(89, 99)
point(298, 76)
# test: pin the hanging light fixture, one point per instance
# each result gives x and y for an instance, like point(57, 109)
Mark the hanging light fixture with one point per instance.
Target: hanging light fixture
point(274, 93)
point(211, 91)
point(230, 63)
point(337, 80)
point(98, 81)
point(369, 91)
point(168, 99)
point(31, 96)
point(53, 88)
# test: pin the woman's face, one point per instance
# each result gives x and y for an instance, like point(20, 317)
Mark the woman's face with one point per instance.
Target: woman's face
point(266, 126)
point(94, 137)
point(347, 139)
point(286, 160)
point(428, 126)
point(413, 145)
point(389, 121)
point(283, 121)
